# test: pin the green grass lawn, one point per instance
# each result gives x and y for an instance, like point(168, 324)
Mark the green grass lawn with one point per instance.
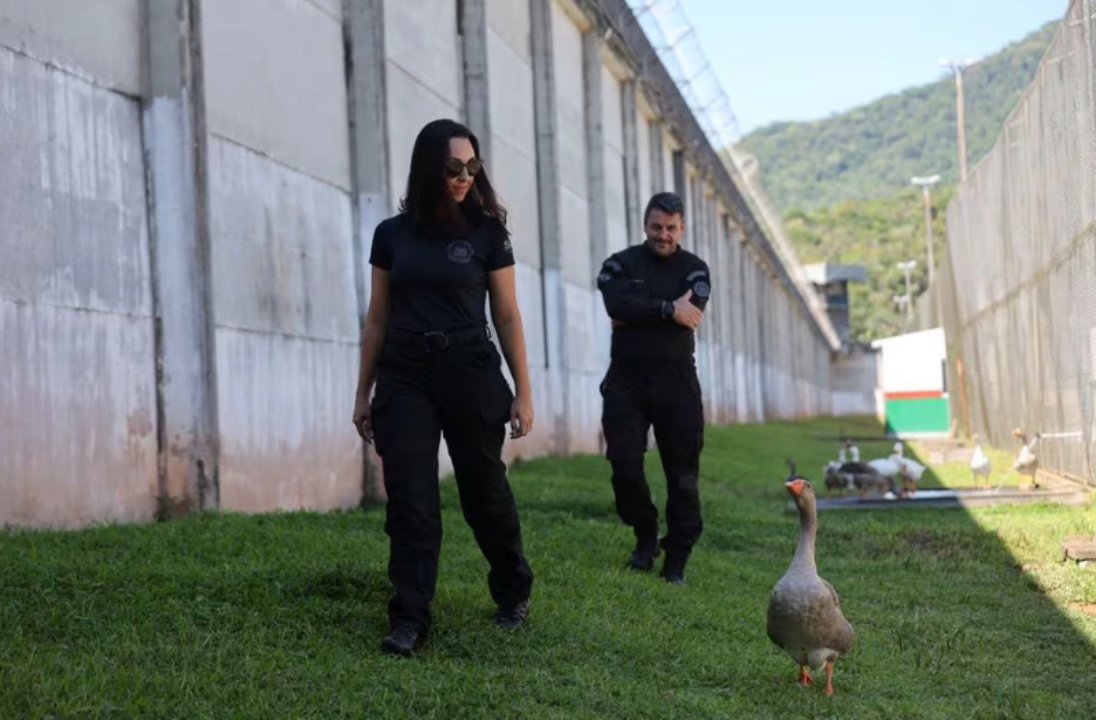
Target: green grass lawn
point(958, 615)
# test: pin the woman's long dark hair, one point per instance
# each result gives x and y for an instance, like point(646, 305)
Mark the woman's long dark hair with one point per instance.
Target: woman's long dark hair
point(427, 202)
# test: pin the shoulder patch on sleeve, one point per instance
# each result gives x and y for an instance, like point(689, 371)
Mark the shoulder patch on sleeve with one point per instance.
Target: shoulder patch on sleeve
point(610, 269)
point(695, 274)
point(499, 234)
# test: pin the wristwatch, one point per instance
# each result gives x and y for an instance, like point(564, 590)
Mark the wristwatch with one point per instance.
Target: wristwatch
point(667, 310)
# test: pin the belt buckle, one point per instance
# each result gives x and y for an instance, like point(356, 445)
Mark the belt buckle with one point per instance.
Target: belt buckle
point(435, 334)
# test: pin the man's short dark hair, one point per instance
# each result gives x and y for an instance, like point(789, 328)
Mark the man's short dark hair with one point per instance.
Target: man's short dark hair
point(668, 202)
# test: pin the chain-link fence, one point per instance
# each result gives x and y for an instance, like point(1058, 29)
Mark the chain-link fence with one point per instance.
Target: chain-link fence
point(1017, 292)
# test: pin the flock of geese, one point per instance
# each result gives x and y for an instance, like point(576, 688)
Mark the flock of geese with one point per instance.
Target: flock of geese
point(849, 473)
point(804, 615)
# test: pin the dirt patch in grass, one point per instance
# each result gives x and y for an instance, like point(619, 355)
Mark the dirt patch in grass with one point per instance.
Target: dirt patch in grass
point(920, 540)
point(941, 544)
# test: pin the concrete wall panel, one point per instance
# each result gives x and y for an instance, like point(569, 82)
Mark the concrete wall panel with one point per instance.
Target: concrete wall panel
point(571, 99)
point(571, 143)
point(97, 41)
point(577, 261)
point(668, 146)
point(617, 222)
point(73, 228)
point(583, 326)
point(283, 258)
point(613, 130)
point(513, 167)
point(511, 78)
point(585, 365)
point(421, 38)
point(585, 427)
point(77, 416)
point(643, 135)
point(285, 303)
point(540, 442)
point(612, 110)
point(77, 390)
point(510, 22)
point(252, 76)
point(531, 301)
point(411, 105)
point(284, 411)
point(515, 181)
point(333, 8)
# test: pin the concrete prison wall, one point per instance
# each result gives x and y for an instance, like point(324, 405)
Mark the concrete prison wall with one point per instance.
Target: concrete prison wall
point(189, 192)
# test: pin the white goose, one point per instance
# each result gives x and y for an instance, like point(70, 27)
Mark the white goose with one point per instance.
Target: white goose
point(853, 452)
point(911, 470)
point(1027, 462)
point(979, 463)
point(889, 468)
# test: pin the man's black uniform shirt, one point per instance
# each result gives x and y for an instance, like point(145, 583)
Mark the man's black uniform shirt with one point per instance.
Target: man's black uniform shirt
point(638, 287)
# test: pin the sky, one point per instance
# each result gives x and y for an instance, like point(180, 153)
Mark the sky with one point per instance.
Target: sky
point(807, 59)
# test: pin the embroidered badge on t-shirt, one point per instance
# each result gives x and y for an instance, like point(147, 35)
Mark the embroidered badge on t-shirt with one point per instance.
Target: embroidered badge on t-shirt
point(460, 251)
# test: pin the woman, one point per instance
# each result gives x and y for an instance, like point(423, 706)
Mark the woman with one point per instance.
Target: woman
point(426, 344)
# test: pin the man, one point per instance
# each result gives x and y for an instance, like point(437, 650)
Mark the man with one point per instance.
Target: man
point(655, 294)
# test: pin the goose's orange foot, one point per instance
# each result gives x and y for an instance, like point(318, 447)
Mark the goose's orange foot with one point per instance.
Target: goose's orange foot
point(805, 677)
point(829, 677)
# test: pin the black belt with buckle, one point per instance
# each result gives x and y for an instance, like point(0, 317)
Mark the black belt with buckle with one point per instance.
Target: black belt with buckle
point(438, 341)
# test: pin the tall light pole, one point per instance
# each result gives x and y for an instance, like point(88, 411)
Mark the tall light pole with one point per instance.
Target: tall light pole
point(926, 183)
point(957, 67)
point(908, 267)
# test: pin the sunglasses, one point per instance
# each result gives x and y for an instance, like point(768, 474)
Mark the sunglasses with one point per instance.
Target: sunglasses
point(454, 167)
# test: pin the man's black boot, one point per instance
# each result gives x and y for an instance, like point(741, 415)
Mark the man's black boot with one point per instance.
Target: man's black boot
point(511, 617)
point(646, 550)
point(403, 640)
point(673, 567)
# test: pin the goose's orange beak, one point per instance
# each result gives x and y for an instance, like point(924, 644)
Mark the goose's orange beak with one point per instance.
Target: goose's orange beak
point(795, 487)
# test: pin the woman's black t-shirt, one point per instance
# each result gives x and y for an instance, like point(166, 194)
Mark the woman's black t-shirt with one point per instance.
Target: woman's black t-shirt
point(438, 283)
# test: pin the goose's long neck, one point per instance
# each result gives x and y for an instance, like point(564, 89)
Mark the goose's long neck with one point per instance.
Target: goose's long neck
point(804, 551)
